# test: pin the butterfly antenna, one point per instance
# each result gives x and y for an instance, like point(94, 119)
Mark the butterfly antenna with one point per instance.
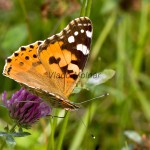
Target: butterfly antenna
point(90, 133)
point(106, 94)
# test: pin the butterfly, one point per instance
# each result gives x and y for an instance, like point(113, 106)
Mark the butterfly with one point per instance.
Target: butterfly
point(51, 68)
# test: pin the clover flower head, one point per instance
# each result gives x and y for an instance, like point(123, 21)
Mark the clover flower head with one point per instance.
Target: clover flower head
point(25, 108)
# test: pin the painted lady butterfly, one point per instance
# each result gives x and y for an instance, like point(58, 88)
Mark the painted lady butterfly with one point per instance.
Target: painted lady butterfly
point(63, 54)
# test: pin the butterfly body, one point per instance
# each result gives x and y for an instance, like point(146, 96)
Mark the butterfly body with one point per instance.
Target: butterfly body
point(51, 68)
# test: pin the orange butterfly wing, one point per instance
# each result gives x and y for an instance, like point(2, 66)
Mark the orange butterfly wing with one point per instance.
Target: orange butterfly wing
point(66, 53)
point(25, 67)
point(51, 68)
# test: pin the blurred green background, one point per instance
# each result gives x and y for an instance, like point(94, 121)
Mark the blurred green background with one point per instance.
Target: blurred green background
point(120, 42)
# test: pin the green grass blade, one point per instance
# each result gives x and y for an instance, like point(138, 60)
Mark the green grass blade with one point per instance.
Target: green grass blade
point(102, 37)
point(83, 8)
point(88, 10)
point(62, 133)
point(80, 133)
point(143, 28)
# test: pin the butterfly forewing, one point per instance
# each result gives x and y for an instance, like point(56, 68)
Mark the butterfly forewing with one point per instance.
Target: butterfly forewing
point(25, 67)
point(67, 53)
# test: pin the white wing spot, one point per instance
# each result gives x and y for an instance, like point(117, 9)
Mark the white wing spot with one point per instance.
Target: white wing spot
point(82, 31)
point(68, 31)
point(71, 39)
point(89, 34)
point(61, 37)
point(76, 33)
point(79, 24)
point(83, 49)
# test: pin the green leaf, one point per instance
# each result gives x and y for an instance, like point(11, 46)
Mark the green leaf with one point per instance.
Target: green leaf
point(76, 90)
point(102, 77)
point(20, 129)
point(20, 134)
point(4, 134)
point(15, 134)
point(14, 37)
point(133, 136)
point(1, 105)
point(10, 140)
